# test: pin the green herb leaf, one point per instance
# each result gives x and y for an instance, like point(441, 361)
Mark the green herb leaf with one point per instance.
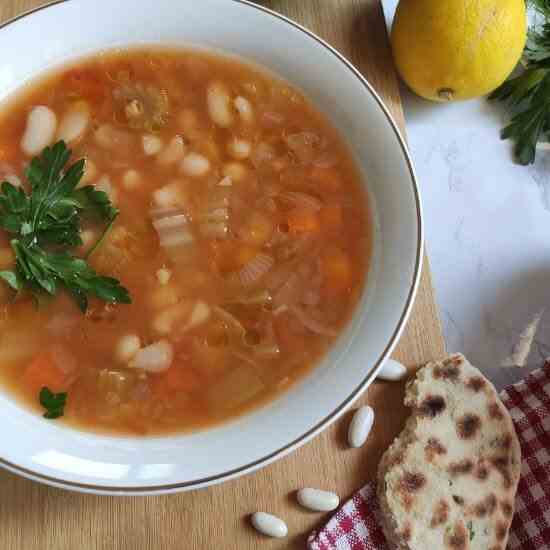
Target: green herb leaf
point(529, 93)
point(50, 216)
point(12, 278)
point(54, 403)
point(95, 202)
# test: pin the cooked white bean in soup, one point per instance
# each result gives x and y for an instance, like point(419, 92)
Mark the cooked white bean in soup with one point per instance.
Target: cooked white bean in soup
point(201, 259)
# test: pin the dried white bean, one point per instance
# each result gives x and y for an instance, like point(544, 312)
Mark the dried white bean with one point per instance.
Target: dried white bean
point(40, 130)
point(127, 347)
point(174, 151)
point(151, 144)
point(392, 370)
point(199, 315)
point(360, 426)
point(163, 322)
point(219, 106)
point(269, 525)
point(169, 196)
point(195, 165)
point(239, 148)
point(317, 500)
point(244, 107)
point(235, 170)
point(75, 122)
point(131, 179)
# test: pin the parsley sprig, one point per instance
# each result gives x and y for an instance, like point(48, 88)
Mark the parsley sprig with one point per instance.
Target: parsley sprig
point(46, 223)
point(529, 93)
point(54, 403)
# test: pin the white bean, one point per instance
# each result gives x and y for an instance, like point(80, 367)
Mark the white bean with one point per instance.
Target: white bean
point(169, 196)
point(317, 500)
point(174, 151)
point(269, 525)
point(131, 179)
point(219, 106)
point(360, 426)
point(239, 148)
point(392, 371)
point(151, 144)
point(244, 107)
point(195, 165)
point(164, 321)
point(235, 170)
point(75, 122)
point(154, 358)
point(40, 130)
point(199, 315)
point(127, 347)
point(163, 276)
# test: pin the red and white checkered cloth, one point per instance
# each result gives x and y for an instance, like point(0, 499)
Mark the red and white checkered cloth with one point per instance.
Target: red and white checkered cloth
point(356, 525)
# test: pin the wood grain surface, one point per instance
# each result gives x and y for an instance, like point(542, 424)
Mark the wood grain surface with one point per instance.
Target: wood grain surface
point(34, 517)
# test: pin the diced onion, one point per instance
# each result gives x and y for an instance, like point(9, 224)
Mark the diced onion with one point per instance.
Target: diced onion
point(312, 324)
point(172, 226)
point(257, 268)
point(300, 200)
point(303, 145)
point(154, 358)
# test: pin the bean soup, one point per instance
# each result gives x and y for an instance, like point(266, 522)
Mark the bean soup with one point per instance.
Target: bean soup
point(184, 235)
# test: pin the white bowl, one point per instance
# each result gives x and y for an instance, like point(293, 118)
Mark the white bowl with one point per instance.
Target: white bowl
point(48, 452)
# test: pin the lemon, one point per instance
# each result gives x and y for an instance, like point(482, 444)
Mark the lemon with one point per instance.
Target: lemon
point(448, 50)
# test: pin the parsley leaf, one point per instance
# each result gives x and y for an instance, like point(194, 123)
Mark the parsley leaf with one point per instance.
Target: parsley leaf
point(54, 403)
point(50, 216)
point(529, 93)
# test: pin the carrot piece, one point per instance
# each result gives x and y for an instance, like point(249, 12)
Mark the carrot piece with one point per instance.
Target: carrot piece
point(303, 221)
point(43, 372)
point(331, 217)
point(337, 271)
point(328, 178)
point(9, 151)
point(177, 379)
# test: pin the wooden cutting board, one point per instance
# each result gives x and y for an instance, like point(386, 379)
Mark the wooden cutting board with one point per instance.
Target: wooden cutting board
point(34, 517)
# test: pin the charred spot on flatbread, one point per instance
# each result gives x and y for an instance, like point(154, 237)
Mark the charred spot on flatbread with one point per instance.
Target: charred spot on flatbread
point(468, 426)
point(440, 513)
point(462, 467)
point(475, 383)
point(457, 537)
point(434, 448)
point(432, 406)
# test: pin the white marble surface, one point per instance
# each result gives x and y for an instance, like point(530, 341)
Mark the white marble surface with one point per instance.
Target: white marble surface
point(487, 228)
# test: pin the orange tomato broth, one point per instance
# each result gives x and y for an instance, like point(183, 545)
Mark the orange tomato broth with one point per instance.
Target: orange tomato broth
point(296, 202)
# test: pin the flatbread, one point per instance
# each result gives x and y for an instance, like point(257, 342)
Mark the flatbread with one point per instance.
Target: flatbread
point(449, 480)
